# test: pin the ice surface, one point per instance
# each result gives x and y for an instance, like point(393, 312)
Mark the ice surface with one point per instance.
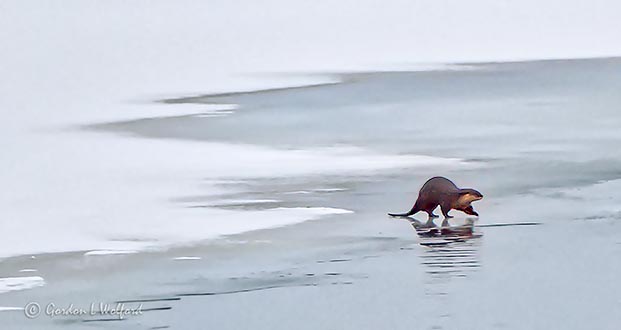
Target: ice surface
point(90, 61)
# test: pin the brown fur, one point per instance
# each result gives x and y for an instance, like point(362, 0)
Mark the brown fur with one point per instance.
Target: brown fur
point(440, 191)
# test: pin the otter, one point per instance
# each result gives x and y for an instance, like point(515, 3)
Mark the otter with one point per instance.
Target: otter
point(443, 192)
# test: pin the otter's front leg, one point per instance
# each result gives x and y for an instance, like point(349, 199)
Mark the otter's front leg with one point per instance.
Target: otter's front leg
point(445, 210)
point(470, 210)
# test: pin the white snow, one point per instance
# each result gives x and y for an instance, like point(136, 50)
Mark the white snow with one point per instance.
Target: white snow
point(329, 189)
point(28, 270)
point(20, 283)
point(187, 258)
point(226, 202)
point(10, 309)
point(108, 252)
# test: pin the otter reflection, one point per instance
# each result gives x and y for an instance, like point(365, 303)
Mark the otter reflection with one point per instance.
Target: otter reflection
point(451, 251)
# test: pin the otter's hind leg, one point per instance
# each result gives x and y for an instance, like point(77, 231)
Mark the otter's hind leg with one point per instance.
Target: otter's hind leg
point(429, 210)
point(432, 215)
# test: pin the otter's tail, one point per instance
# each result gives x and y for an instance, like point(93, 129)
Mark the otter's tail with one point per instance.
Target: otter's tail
point(412, 211)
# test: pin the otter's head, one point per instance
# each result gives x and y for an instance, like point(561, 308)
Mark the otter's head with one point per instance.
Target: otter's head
point(467, 196)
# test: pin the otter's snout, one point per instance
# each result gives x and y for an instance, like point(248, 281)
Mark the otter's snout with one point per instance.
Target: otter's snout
point(470, 195)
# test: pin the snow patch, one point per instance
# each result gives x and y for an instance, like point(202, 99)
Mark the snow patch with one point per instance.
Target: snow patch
point(8, 284)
